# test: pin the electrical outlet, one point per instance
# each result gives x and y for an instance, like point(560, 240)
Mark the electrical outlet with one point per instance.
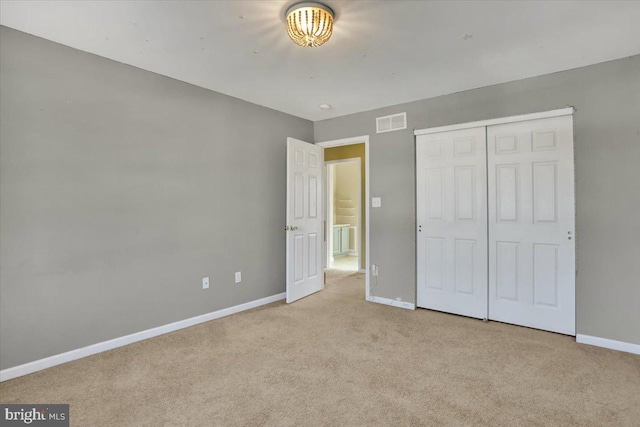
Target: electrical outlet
point(374, 269)
point(238, 276)
point(376, 202)
point(205, 283)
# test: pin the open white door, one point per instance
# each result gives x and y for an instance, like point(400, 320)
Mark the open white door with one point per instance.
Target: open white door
point(304, 219)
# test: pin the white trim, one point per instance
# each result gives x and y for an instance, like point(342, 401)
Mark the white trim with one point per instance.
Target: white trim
point(364, 139)
point(344, 141)
point(607, 343)
point(392, 302)
point(339, 161)
point(499, 121)
point(328, 215)
point(69, 356)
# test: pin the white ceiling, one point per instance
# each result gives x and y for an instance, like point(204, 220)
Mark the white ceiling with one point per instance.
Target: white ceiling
point(382, 52)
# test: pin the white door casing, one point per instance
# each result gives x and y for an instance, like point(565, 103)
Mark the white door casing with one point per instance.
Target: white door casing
point(366, 228)
point(452, 222)
point(304, 219)
point(532, 224)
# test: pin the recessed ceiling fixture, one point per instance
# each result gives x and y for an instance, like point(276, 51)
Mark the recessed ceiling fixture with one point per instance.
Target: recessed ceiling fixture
point(325, 107)
point(309, 24)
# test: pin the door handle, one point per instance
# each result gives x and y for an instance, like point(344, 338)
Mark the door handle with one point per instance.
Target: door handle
point(290, 228)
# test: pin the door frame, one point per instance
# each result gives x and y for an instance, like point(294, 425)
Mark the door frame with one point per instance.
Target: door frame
point(497, 121)
point(329, 201)
point(364, 139)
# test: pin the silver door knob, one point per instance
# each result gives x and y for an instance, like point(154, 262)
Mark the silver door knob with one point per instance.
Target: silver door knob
point(293, 228)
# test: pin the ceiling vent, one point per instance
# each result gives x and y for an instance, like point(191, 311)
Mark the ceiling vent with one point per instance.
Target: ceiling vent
point(391, 123)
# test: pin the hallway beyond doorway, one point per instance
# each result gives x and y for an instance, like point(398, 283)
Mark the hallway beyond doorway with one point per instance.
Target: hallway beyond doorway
point(347, 263)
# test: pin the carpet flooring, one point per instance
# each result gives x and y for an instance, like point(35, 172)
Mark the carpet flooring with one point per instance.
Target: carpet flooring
point(333, 359)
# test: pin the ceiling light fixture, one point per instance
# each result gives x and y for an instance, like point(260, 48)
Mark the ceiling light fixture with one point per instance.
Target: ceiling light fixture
point(309, 24)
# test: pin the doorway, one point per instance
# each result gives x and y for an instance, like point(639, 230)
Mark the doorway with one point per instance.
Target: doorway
point(345, 151)
point(344, 213)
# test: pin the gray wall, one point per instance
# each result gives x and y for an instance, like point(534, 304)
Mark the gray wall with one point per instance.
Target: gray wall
point(607, 157)
point(120, 189)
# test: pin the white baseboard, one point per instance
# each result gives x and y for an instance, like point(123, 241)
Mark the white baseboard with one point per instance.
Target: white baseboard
point(607, 343)
point(352, 253)
point(58, 359)
point(392, 302)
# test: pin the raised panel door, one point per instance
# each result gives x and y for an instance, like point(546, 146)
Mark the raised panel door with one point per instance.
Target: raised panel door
point(304, 219)
point(452, 222)
point(531, 224)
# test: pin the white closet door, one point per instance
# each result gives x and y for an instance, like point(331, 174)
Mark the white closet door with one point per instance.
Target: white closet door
point(452, 222)
point(531, 224)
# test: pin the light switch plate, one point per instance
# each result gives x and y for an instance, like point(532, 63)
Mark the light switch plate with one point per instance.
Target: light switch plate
point(205, 283)
point(376, 202)
point(238, 277)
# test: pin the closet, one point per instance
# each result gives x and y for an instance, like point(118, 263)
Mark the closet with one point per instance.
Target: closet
point(495, 220)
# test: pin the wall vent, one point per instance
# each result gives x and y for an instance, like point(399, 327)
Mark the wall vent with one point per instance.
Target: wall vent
point(391, 123)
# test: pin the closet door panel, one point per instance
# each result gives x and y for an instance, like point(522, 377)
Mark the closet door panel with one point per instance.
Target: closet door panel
point(452, 222)
point(531, 224)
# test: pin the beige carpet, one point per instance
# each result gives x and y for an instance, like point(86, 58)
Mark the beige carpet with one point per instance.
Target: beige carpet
point(333, 359)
